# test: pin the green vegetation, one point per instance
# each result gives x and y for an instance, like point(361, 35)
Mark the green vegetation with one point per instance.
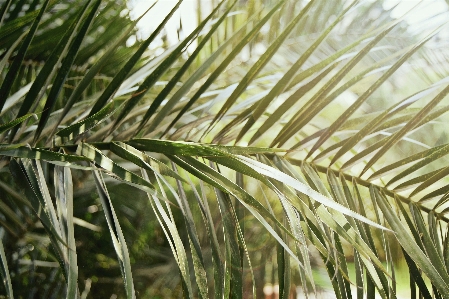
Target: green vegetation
point(278, 141)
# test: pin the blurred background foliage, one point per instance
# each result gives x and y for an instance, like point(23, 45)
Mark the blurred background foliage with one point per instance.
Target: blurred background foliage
point(263, 94)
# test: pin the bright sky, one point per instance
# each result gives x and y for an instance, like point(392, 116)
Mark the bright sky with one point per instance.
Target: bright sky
point(186, 11)
point(426, 9)
point(428, 14)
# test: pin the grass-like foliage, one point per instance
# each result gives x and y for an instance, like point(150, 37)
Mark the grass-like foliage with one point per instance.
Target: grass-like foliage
point(277, 142)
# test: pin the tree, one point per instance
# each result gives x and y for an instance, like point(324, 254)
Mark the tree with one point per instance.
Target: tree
point(309, 124)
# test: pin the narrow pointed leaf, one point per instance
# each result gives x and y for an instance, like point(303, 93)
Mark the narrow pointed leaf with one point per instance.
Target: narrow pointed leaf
point(438, 279)
point(281, 84)
point(430, 181)
point(417, 180)
point(118, 239)
point(288, 180)
point(16, 64)
point(423, 158)
point(158, 72)
point(66, 66)
point(3, 10)
point(173, 81)
point(15, 122)
point(5, 272)
point(89, 76)
point(275, 116)
point(197, 256)
point(42, 80)
point(236, 50)
point(81, 127)
point(320, 96)
point(372, 125)
point(430, 247)
point(64, 191)
point(170, 230)
point(112, 168)
point(409, 126)
point(129, 153)
point(363, 98)
point(195, 149)
point(416, 276)
point(261, 62)
point(21, 151)
point(113, 86)
point(166, 109)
